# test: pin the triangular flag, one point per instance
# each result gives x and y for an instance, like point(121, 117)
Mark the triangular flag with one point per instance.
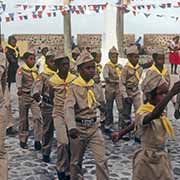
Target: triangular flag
point(81, 9)
point(37, 7)
point(21, 18)
point(49, 14)
point(177, 18)
point(147, 14)
point(134, 13)
point(34, 15)
point(11, 15)
point(7, 19)
point(4, 7)
point(148, 7)
point(25, 17)
point(25, 7)
point(162, 6)
point(169, 5)
point(54, 14)
point(134, 7)
point(43, 7)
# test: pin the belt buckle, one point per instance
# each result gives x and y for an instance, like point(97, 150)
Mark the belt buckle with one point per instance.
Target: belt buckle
point(87, 122)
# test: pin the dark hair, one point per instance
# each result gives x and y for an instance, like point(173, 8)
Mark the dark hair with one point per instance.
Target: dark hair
point(58, 60)
point(94, 54)
point(26, 55)
point(10, 38)
point(155, 56)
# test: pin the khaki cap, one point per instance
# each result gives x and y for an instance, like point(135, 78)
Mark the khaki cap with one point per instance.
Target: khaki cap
point(113, 50)
point(132, 50)
point(76, 50)
point(84, 57)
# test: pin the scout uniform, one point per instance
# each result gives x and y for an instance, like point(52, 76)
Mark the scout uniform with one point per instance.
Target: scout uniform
point(73, 67)
point(97, 81)
point(129, 83)
point(80, 114)
point(3, 154)
point(41, 86)
point(111, 74)
point(25, 78)
point(60, 87)
point(151, 161)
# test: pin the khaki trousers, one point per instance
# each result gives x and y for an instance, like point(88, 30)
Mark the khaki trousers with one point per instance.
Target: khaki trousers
point(3, 154)
point(47, 131)
point(63, 152)
point(92, 137)
point(26, 102)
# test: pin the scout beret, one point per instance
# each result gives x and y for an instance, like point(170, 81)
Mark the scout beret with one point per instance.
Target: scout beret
point(113, 50)
point(132, 50)
point(84, 57)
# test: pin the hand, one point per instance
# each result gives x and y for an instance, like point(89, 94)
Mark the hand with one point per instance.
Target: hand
point(37, 97)
point(177, 114)
point(73, 133)
point(176, 88)
point(19, 93)
point(128, 100)
point(115, 137)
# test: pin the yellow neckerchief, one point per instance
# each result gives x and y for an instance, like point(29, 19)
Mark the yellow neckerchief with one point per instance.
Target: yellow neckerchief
point(98, 68)
point(48, 71)
point(115, 66)
point(14, 48)
point(33, 70)
point(72, 60)
point(163, 73)
point(90, 94)
point(135, 68)
point(165, 121)
point(56, 80)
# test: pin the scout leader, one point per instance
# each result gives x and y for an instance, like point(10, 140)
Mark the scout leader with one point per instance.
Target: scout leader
point(41, 89)
point(152, 126)
point(129, 82)
point(111, 74)
point(25, 77)
point(80, 115)
point(3, 153)
point(156, 70)
point(59, 83)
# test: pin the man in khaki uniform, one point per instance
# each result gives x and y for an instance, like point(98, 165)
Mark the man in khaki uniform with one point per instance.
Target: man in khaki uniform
point(25, 78)
point(75, 54)
point(129, 82)
point(80, 116)
point(41, 89)
point(151, 161)
point(3, 154)
point(59, 83)
point(111, 73)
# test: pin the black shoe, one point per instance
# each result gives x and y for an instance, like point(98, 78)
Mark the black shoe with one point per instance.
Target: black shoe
point(68, 177)
point(23, 145)
point(46, 158)
point(11, 131)
point(61, 175)
point(37, 145)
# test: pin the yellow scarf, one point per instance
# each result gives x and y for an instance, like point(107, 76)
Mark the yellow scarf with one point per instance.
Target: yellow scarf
point(135, 68)
point(98, 68)
point(90, 94)
point(163, 73)
point(165, 121)
point(14, 48)
point(48, 71)
point(116, 67)
point(33, 70)
point(56, 80)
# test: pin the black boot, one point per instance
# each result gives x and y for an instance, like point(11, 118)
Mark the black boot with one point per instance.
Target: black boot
point(37, 145)
point(23, 145)
point(46, 158)
point(68, 177)
point(61, 175)
point(11, 131)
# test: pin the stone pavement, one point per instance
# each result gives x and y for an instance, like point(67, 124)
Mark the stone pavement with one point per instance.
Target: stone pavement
point(27, 164)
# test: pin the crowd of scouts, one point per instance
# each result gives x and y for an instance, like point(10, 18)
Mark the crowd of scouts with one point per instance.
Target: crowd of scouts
point(66, 94)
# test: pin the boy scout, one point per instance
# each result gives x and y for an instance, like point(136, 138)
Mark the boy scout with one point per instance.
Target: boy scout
point(41, 89)
point(75, 54)
point(3, 154)
point(129, 82)
point(151, 161)
point(59, 86)
point(80, 116)
point(111, 73)
point(25, 77)
point(157, 69)
point(97, 79)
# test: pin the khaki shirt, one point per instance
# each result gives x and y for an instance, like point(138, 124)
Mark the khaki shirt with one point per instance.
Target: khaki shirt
point(25, 80)
point(41, 85)
point(3, 69)
point(153, 134)
point(76, 105)
point(129, 82)
point(60, 91)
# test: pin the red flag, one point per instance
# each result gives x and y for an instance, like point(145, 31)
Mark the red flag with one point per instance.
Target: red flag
point(134, 13)
point(134, 7)
point(43, 7)
point(7, 19)
point(49, 14)
point(149, 7)
point(21, 18)
point(25, 7)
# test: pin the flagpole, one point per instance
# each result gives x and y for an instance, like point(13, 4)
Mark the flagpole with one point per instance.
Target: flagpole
point(0, 26)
